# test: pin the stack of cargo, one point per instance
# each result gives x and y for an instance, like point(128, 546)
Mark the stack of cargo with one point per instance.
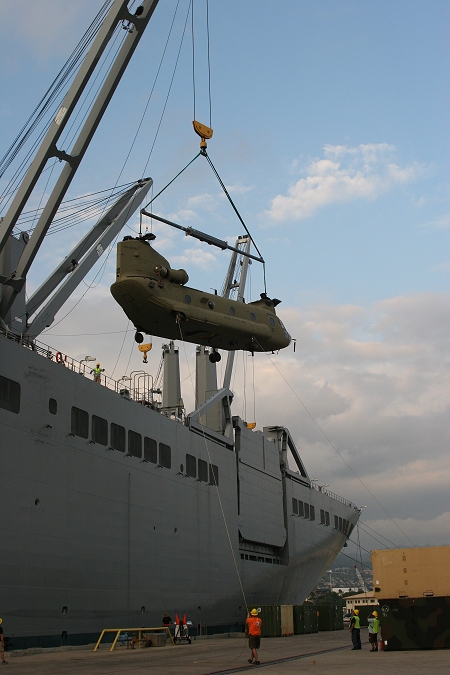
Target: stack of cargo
point(413, 585)
point(306, 619)
point(277, 620)
point(330, 617)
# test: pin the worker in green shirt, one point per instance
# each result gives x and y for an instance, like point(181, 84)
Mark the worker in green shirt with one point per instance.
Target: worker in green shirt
point(374, 627)
point(355, 628)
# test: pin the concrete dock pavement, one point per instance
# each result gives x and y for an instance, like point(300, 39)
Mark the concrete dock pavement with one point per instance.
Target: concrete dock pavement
point(320, 653)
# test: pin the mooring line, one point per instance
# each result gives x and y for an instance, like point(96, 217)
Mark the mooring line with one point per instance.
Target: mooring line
point(275, 662)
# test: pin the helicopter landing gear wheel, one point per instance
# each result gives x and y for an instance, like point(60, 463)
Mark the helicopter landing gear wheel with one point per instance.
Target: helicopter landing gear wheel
point(214, 357)
point(139, 338)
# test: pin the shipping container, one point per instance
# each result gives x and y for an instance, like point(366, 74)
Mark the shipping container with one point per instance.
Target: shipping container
point(287, 620)
point(412, 572)
point(330, 617)
point(305, 619)
point(271, 620)
point(277, 620)
point(415, 623)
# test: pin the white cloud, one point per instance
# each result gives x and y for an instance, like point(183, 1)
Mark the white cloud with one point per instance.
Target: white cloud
point(443, 222)
point(197, 257)
point(239, 189)
point(344, 174)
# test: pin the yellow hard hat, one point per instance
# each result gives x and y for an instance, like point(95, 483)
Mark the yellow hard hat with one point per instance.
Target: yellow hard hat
point(1, 620)
point(375, 614)
point(356, 611)
point(98, 364)
point(254, 612)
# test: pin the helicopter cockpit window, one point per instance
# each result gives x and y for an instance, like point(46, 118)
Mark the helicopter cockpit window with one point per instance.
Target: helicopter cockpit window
point(272, 321)
point(253, 316)
point(188, 299)
point(211, 305)
point(232, 311)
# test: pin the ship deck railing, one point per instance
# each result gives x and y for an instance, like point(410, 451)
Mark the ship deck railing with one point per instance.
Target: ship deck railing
point(138, 386)
point(333, 495)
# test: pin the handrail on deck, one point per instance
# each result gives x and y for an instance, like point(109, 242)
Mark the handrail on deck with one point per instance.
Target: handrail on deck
point(130, 630)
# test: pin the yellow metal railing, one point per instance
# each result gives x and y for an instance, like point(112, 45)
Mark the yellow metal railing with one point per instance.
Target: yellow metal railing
point(139, 631)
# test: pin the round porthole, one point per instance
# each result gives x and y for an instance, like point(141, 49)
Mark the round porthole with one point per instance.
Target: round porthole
point(211, 305)
point(253, 316)
point(272, 321)
point(188, 299)
point(232, 311)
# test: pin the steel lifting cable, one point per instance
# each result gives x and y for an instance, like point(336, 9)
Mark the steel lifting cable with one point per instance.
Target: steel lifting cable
point(168, 93)
point(334, 447)
point(214, 477)
point(222, 185)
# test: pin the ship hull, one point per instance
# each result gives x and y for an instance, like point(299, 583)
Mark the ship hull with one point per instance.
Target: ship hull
point(93, 537)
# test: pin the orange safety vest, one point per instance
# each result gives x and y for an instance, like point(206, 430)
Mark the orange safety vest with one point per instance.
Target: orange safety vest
point(254, 624)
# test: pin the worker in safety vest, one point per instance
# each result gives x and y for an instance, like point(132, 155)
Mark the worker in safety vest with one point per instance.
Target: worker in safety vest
point(97, 373)
point(374, 627)
point(355, 627)
point(254, 624)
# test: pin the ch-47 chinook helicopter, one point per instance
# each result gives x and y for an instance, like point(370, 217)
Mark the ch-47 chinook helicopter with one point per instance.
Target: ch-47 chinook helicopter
point(156, 300)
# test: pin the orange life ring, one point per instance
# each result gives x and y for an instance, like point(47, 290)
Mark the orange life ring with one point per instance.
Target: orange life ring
point(59, 357)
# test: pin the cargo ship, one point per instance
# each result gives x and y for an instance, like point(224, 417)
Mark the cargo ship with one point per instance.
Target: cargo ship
point(117, 504)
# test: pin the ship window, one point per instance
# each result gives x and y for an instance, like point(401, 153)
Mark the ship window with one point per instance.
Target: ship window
point(340, 523)
point(269, 560)
point(253, 316)
point(134, 444)
point(327, 518)
point(295, 506)
point(272, 321)
point(117, 437)
point(150, 450)
point(202, 470)
point(232, 311)
point(188, 299)
point(322, 517)
point(213, 474)
point(99, 430)
point(336, 523)
point(312, 512)
point(191, 466)
point(165, 458)
point(301, 511)
point(52, 406)
point(9, 395)
point(306, 510)
point(79, 422)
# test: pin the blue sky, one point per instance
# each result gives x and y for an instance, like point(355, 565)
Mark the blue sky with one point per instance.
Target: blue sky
point(331, 132)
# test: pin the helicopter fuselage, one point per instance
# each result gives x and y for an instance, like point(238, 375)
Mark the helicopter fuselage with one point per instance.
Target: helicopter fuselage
point(155, 299)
